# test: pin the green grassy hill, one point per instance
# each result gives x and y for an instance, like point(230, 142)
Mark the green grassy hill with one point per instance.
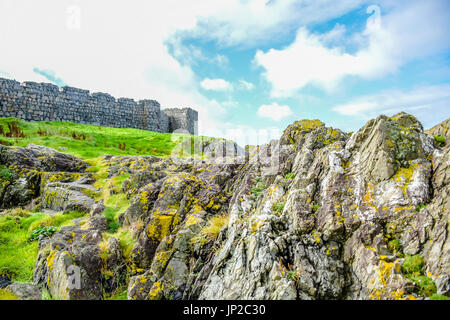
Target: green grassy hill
point(88, 141)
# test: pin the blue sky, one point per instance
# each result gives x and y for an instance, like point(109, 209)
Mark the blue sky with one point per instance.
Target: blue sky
point(250, 67)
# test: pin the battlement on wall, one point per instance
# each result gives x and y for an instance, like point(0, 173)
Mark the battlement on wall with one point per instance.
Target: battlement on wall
point(32, 101)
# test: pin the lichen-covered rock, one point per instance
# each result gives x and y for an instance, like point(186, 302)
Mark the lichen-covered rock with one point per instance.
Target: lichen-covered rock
point(441, 130)
point(70, 196)
point(69, 265)
point(23, 172)
point(25, 291)
point(40, 158)
point(344, 201)
point(319, 214)
point(77, 263)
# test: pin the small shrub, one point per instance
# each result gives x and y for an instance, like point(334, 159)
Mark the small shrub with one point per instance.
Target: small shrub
point(14, 131)
point(293, 275)
point(412, 269)
point(278, 207)
point(288, 272)
point(258, 189)
point(110, 215)
point(289, 176)
point(211, 231)
point(420, 207)
point(395, 246)
point(413, 265)
point(42, 231)
point(426, 286)
point(214, 226)
point(315, 207)
point(80, 136)
point(440, 140)
point(122, 146)
point(42, 133)
point(6, 174)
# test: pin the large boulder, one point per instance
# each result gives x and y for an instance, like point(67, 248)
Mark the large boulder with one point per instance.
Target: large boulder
point(77, 263)
point(21, 170)
point(70, 196)
point(25, 291)
point(40, 158)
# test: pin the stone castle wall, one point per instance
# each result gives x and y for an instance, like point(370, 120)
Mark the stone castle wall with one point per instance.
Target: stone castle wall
point(33, 101)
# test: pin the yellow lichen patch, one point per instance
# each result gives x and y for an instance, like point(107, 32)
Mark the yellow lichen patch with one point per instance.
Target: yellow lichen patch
point(309, 124)
point(316, 236)
point(51, 259)
point(385, 271)
point(144, 200)
point(368, 196)
point(6, 295)
point(389, 143)
point(346, 165)
point(193, 218)
point(403, 176)
point(142, 278)
point(255, 225)
point(163, 258)
point(162, 223)
point(156, 291)
point(402, 208)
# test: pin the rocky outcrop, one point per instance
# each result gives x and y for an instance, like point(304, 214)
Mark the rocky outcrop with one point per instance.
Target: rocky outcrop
point(40, 158)
point(25, 291)
point(69, 196)
point(441, 130)
point(318, 214)
point(22, 169)
point(72, 264)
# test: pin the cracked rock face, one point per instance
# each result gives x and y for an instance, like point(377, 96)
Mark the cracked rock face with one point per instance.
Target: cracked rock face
point(318, 214)
point(313, 216)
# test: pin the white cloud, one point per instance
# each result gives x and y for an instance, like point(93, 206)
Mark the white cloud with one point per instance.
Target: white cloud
point(223, 85)
point(123, 48)
point(384, 46)
point(244, 85)
point(424, 102)
point(274, 111)
point(120, 48)
point(245, 23)
point(216, 84)
point(192, 55)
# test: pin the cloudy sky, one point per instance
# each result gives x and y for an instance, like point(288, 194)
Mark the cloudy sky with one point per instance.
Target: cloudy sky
point(250, 67)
